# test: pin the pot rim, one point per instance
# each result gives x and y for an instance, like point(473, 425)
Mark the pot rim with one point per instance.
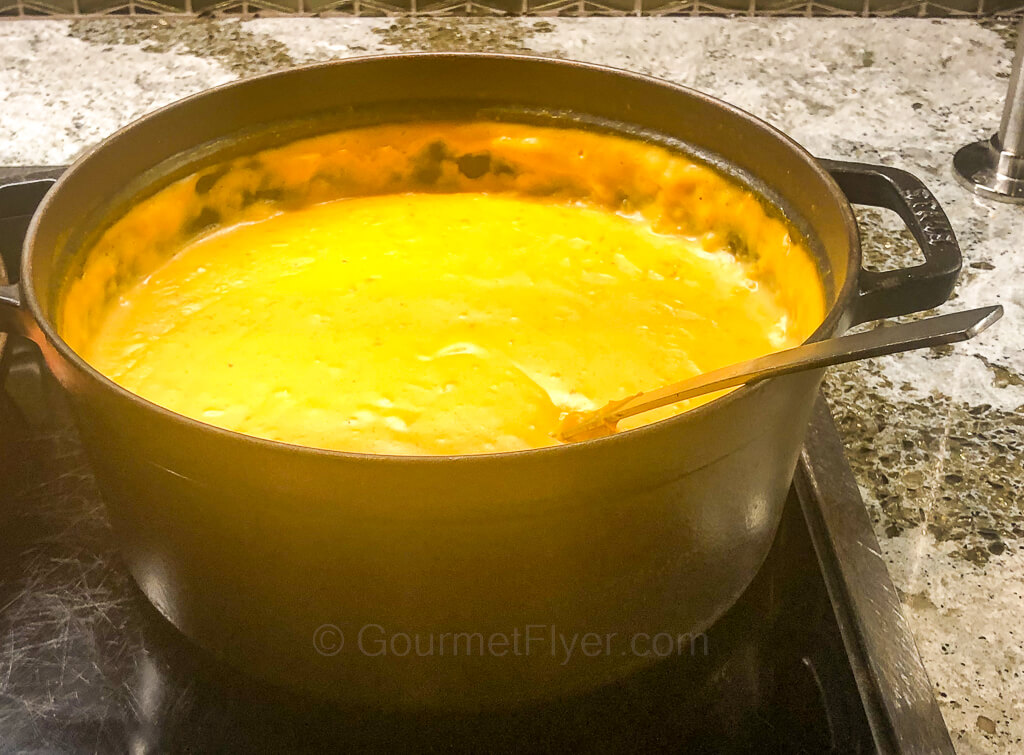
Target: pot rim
point(4, 280)
point(678, 421)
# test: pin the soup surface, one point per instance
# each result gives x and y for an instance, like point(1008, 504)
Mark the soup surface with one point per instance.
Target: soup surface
point(437, 321)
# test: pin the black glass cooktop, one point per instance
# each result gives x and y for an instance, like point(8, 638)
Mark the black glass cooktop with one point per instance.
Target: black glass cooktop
point(815, 657)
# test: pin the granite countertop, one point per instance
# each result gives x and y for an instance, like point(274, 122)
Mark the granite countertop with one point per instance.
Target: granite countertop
point(935, 437)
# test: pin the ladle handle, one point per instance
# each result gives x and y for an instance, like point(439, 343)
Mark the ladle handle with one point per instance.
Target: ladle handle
point(932, 331)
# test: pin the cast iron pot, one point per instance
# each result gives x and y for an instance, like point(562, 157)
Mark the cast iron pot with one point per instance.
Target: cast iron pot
point(450, 582)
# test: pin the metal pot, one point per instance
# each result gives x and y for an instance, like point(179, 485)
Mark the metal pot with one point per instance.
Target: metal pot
point(267, 553)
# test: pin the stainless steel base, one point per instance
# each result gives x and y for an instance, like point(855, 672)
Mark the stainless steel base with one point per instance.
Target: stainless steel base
point(990, 172)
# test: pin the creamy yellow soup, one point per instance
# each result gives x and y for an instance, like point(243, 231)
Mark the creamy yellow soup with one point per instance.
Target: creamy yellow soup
point(423, 302)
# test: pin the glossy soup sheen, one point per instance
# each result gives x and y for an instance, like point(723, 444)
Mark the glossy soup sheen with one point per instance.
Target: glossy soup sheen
point(436, 288)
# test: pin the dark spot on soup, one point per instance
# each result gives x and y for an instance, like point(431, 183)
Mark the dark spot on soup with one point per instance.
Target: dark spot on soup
point(208, 180)
point(261, 195)
point(739, 248)
point(427, 165)
point(437, 151)
point(474, 165)
point(206, 219)
point(622, 202)
point(502, 168)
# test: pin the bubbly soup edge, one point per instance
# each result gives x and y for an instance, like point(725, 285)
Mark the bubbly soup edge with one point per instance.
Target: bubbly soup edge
point(436, 288)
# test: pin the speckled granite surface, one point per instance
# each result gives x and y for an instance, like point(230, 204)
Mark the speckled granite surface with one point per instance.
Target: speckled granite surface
point(935, 438)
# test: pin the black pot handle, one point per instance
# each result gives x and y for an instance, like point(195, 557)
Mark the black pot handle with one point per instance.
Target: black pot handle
point(899, 292)
point(20, 196)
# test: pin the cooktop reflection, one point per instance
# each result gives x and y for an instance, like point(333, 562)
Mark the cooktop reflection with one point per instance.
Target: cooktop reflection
point(815, 657)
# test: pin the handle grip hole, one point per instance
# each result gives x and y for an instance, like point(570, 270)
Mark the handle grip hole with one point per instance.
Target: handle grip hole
point(886, 242)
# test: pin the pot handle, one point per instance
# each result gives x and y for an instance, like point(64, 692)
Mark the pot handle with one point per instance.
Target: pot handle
point(20, 197)
point(899, 292)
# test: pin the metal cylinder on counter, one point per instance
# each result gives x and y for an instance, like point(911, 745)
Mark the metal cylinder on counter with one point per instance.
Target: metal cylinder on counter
point(994, 168)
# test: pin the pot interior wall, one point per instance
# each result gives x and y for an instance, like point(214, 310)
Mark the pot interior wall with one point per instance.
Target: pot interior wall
point(277, 108)
point(674, 194)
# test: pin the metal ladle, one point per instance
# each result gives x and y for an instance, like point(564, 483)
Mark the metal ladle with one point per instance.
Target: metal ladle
point(933, 331)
